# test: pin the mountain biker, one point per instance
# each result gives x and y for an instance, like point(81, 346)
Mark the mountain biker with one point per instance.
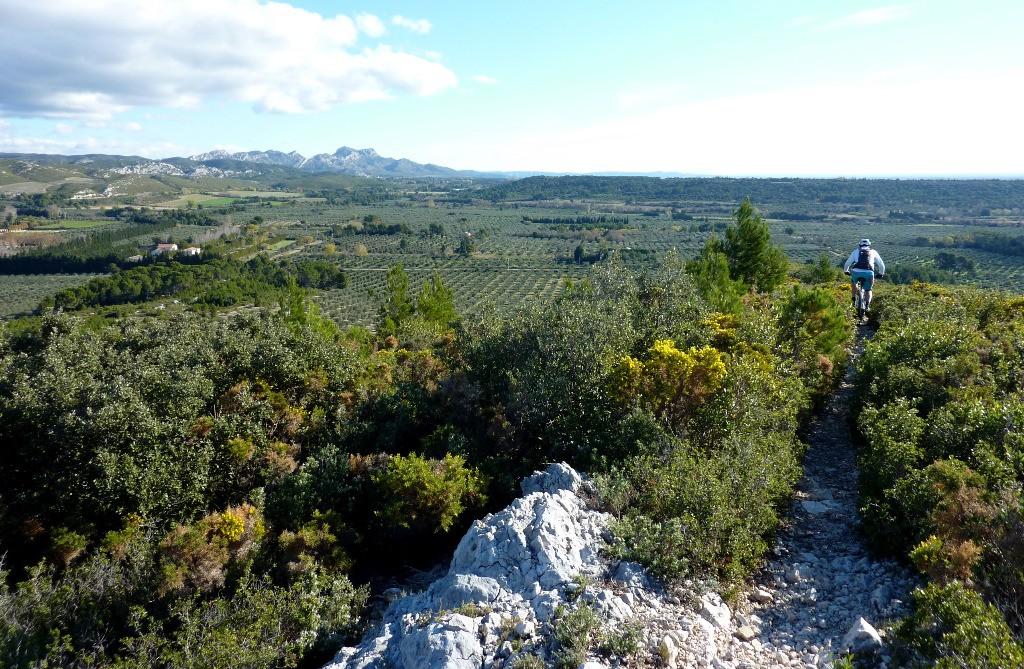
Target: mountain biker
point(861, 266)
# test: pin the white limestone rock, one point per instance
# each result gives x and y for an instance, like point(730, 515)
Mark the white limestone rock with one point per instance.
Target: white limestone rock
point(715, 611)
point(452, 644)
point(704, 644)
point(814, 507)
point(556, 477)
point(518, 560)
point(669, 651)
point(862, 638)
point(745, 633)
point(631, 574)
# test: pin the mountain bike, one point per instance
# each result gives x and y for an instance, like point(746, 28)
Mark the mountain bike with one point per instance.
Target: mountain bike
point(860, 304)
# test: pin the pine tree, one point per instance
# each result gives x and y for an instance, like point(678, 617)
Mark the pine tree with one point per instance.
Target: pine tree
point(397, 305)
point(435, 303)
point(752, 257)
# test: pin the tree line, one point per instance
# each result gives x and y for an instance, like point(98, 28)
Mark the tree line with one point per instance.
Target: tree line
point(891, 194)
point(992, 242)
point(215, 282)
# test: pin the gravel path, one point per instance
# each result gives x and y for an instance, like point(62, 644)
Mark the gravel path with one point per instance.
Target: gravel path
point(821, 580)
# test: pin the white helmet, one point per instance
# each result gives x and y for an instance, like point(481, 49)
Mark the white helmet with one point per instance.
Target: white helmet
point(864, 243)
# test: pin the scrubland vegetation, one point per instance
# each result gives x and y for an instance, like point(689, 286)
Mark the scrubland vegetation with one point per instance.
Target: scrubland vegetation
point(207, 460)
point(179, 483)
point(941, 410)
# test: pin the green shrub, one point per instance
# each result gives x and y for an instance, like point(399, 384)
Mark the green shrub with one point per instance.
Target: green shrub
point(67, 546)
point(662, 547)
point(75, 616)
point(952, 628)
point(692, 515)
point(258, 625)
point(919, 359)
point(893, 433)
point(426, 495)
point(529, 662)
point(576, 632)
point(942, 415)
point(817, 315)
point(625, 643)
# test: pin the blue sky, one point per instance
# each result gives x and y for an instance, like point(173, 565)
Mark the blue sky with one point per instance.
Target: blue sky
point(787, 88)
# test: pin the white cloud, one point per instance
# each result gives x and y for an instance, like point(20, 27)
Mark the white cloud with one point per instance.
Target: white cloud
point(371, 25)
point(867, 129)
point(17, 142)
point(484, 79)
point(118, 54)
point(132, 126)
point(869, 17)
point(64, 129)
point(421, 26)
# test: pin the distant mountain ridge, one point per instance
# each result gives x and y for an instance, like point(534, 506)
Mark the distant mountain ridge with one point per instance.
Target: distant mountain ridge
point(292, 159)
point(353, 162)
point(369, 163)
point(219, 163)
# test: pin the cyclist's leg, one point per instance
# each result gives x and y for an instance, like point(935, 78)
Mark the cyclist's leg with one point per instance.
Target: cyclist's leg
point(864, 278)
point(869, 283)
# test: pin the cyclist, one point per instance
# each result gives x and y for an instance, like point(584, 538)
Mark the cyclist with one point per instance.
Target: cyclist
point(862, 265)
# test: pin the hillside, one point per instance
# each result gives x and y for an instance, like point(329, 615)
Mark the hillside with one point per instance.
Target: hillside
point(264, 167)
point(204, 462)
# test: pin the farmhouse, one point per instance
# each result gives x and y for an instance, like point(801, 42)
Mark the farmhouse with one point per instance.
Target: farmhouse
point(192, 251)
point(164, 248)
point(133, 259)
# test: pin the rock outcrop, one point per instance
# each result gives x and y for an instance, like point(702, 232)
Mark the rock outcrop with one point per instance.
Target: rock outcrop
point(509, 574)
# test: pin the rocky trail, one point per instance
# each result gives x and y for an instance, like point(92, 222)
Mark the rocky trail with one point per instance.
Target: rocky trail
point(821, 592)
point(819, 596)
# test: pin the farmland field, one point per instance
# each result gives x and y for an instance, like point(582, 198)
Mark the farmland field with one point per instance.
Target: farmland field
point(26, 187)
point(270, 193)
point(204, 200)
point(526, 252)
point(503, 252)
point(75, 225)
point(20, 294)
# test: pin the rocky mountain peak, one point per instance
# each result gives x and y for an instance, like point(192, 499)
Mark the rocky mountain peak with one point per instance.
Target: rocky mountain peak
point(347, 152)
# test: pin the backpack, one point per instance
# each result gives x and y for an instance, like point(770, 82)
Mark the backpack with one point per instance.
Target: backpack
point(863, 259)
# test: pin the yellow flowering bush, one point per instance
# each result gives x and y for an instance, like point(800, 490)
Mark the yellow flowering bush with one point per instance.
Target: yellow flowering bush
point(724, 328)
point(670, 381)
point(626, 378)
